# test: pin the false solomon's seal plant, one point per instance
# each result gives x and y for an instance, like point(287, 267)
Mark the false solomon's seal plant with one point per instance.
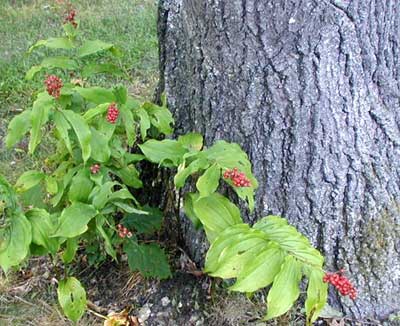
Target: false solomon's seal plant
point(86, 184)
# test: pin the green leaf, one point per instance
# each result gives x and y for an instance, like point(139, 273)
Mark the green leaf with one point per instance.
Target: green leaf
point(239, 251)
point(42, 227)
point(98, 68)
point(63, 128)
point(72, 298)
point(129, 124)
point(95, 46)
point(52, 62)
point(96, 95)
point(188, 201)
point(39, 116)
point(94, 112)
point(101, 194)
point(317, 295)
point(70, 250)
point(129, 176)
point(82, 131)
point(121, 94)
point(185, 171)
point(100, 150)
point(166, 152)
point(28, 180)
point(74, 219)
point(260, 271)
point(160, 117)
point(53, 43)
point(288, 238)
point(144, 223)
point(100, 221)
point(15, 241)
point(51, 185)
point(144, 121)
point(209, 181)
point(216, 213)
point(81, 186)
point(18, 127)
point(149, 259)
point(285, 289)
point(192, 141)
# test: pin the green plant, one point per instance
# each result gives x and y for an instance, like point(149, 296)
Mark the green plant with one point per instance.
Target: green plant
point(101, 136)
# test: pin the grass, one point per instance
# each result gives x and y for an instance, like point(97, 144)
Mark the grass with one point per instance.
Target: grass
point(130, 24)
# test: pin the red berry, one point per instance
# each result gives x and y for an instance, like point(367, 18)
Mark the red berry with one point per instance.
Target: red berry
point(341, 283)
point(95, 168)
point(112, 113)
point(70, 18)
point(53, 85)
point(238, 179)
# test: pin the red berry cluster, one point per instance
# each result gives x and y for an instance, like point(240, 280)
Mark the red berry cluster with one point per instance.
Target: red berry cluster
point(112, 113)
point(341, 283)
point(70, 18)
point(123, 231)
point(239, 179)
point(95, 168)
point(53, 85)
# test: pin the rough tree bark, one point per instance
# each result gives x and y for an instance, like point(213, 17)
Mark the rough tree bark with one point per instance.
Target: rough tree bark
point(311, 90)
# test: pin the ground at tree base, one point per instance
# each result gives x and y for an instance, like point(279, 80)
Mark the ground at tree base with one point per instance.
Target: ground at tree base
point(28, 298)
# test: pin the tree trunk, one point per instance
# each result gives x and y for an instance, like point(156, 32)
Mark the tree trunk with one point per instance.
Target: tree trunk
point(311, 90)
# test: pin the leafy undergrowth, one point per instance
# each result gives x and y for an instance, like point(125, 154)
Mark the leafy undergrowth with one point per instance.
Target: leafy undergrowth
point(24, 22)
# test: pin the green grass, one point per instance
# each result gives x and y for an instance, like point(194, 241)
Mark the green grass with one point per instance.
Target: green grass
point(129, 24)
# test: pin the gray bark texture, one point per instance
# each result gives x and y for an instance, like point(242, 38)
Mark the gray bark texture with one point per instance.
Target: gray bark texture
point(311, 90)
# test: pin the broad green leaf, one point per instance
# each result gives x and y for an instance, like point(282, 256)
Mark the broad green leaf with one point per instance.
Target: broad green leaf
point(121, 94)
point(96, 95)
point(51, 185)
point(100, 150)
point(82, 131)
point(209, 181)
point(53, 43)
point(129, 124)
point(74, 219)
point(52, 62)
point(128, 208)
point(188, 201)
point(121, 194)
point(100, 221)
point(261, 271)
point(229, 236)
point(185, 171)
point(144, 121)
point(18, 127)
point(39, 116)
point(98, 68)
point(317, 295)
point(63, 128)
point(216, 213)
point(70, 250)
point(42, 228)
point(28, 180)
point(149, 259)
point(166, 152)
point(94, 112)
point(160, 117)
point(285, 289)
point(129, 176)
point(192, 141)
point(91, 47)
point(237, 254)
point(32, 72)
point(144, 223)
point(101, 195)
point(81, 187)
point(15, 241)
point(288, 238)
point(72, 298)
